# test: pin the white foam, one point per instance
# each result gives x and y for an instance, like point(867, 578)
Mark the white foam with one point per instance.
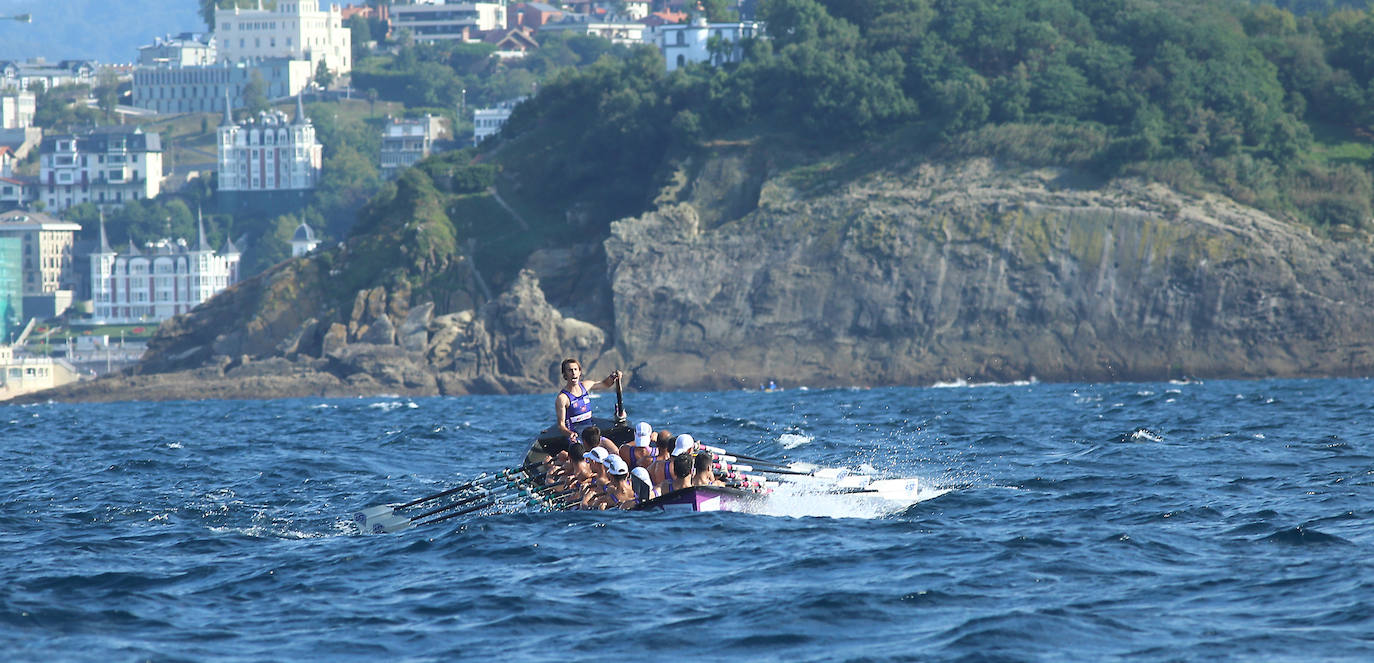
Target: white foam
point(961, 383)
point(793, 440)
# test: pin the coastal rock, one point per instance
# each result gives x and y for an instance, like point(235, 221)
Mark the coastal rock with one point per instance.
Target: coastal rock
point(973, 271)
point(912, 274)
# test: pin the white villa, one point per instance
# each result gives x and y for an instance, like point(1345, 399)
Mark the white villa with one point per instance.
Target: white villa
point(684, 44)
point(269, 153)
point(169, 279)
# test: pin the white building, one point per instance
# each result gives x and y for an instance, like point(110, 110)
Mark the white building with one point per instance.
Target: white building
point(406, 141)
point(295, 29)
point(202, 89)
point(47, 271)
point(626, 32)
point(107, 166)
point(269, 153)
point(488, 121)
point(187, 49)
point(169, 279)
point(685, 44)
point(17, 108)
point(22, 75)
point(438, 21)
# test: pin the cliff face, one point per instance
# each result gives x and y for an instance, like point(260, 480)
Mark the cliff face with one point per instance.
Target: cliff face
point(908, 275)
point(940, 272)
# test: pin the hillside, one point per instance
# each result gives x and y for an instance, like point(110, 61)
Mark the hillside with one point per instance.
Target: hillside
point(1191, 213)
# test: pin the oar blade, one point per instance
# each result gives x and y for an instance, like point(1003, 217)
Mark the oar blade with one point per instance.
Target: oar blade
point(373, 513)
point(390, 525)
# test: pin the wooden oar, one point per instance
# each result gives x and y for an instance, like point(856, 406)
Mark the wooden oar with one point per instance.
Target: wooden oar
point(619, 406)
point(387, 525)
point(384, 511)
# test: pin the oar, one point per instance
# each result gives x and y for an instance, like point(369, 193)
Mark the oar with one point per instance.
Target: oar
point(750, 468)
point(619, 406)
point(383, 511)
point(394, 523)
point(732, 456)
point(440, 519)
point(387, 525)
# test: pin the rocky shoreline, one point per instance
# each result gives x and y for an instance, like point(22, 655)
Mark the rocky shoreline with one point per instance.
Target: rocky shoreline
point(910, 275)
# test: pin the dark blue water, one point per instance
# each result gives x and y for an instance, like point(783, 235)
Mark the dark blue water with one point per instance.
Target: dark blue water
point(1128, 522)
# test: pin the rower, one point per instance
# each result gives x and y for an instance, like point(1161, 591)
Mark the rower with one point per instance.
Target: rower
point(663, 454)
point(683, 445)
point(577, 470)
point(682, 468)
point(591, 437)
point(618, 493)
point(702, 473)
point(641, 453)
point(594, 485)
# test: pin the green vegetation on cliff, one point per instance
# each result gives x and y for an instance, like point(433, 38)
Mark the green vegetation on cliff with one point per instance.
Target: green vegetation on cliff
point(1223, 96)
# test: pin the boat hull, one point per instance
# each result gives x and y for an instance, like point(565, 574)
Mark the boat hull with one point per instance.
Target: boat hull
point(703, 498)
point(551, 442)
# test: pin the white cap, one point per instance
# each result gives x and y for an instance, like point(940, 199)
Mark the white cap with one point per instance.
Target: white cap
point(685, 443)
point(596, 455)
point(644, 434)
point(617, 466)
point(643, 475)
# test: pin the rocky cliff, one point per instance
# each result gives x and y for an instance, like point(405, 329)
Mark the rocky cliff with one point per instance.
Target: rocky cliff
point(910, 274)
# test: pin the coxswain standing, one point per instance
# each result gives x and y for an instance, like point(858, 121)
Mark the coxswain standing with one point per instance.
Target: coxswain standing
point(573, 406)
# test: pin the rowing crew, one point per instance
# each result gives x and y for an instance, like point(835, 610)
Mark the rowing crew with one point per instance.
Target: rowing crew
point(596, 474)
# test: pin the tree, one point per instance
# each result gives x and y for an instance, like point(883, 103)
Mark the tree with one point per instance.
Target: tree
point(323, 76)
point(106, 93)
point(255, 94)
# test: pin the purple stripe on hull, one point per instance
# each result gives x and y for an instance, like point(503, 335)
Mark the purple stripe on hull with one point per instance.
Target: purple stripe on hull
point(703, 499)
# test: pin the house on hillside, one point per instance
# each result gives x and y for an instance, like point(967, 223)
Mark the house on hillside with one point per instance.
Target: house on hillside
point(618, 30)
point(188, 49)
point(23, 75)
point(488, 121)
point(512, 42)
point(164, 279)
point(533, 14)
point(268, 162)
point(699, 41)
point(408, 140)
point(453, 22)
point(108, 166)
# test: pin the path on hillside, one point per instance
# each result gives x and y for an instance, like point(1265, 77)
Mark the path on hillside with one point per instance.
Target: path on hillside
point(510, 210)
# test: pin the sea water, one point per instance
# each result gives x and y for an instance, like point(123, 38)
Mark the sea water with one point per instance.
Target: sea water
point(1090, 522)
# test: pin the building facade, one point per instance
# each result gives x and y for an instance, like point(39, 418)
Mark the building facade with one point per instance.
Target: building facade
point(48, 274)
point(406, 141)
point(684, 44)
point(488, 121)
point(269, 153)
point(166, 279)
point(22, 75)
point(435, 21)
point(108, 166)
point(202, 89)
point(295, 29)
point(618, 31)
point(188, 49)
point(17, 108)
point(11, 288)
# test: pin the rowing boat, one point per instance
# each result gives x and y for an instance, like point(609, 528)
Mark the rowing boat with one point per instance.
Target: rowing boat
point(550, 442)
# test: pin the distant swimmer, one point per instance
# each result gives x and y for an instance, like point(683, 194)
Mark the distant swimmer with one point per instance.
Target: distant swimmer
point(573, 406)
